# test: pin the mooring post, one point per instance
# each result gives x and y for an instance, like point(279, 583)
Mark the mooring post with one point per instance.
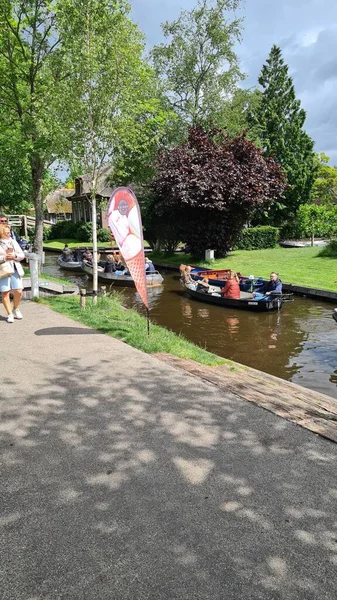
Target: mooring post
point(83, 297)
point(34, 260)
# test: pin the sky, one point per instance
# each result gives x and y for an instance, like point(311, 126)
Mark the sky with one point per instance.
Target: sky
point(306, 31)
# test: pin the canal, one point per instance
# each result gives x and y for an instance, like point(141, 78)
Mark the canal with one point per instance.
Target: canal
point(299, 343)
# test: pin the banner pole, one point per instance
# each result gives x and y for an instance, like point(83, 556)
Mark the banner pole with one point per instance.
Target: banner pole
point(148, 321)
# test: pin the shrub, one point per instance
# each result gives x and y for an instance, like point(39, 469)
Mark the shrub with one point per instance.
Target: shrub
point(84, 232)
point(254, 238)
point(329, 251)
point(291, 230)
point(46, 233)
point(103, 235)
point(63, 229)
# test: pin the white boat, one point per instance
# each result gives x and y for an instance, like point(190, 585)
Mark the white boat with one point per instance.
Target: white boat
point(152, 280)
point(69, 265)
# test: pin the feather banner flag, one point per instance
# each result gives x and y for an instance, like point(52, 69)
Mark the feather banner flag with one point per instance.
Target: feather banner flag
point(125, 223)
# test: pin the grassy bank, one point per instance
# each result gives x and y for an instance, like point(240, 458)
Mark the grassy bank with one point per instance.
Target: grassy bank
point(72, 243)
point(301, 266)
point(110, 317)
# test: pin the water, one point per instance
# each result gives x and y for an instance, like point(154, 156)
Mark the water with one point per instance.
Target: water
point(298, 343)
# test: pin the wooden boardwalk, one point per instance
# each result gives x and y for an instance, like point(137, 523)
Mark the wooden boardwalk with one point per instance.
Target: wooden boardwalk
point(300, 405)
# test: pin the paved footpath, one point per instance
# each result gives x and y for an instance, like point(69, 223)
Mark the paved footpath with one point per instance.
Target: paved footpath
point(124, 478)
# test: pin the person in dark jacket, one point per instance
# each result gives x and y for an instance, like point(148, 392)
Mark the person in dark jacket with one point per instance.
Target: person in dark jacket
point(110, 264)
point(273, 286)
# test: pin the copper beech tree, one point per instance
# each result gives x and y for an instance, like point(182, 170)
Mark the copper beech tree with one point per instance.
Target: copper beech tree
point(208, 187)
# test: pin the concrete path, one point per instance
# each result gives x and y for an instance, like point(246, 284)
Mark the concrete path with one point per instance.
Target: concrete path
point(124, 478)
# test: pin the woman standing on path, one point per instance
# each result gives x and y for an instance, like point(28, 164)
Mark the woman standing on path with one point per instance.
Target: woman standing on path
point(10, 273)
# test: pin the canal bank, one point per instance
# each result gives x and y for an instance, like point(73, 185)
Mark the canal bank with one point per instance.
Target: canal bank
point(297, 344)
point(125, 477)
point(299, 290)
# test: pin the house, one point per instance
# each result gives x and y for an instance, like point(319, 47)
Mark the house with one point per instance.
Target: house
point(80, 200)
point(58, 206)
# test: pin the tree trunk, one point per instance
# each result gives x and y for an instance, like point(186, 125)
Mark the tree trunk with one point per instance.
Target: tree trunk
point(312, 237)
point(37, 174)
point(94, 250)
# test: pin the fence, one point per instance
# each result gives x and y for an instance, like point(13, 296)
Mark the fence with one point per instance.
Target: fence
point(25, 221)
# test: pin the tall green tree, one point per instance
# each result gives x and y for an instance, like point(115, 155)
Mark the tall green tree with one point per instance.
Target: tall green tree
point(30, 77)
point(278, 122)
point(198, 65)
point(115, 109)
point(324, 189)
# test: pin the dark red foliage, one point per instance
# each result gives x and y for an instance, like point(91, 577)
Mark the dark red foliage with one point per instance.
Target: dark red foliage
point(210, 185)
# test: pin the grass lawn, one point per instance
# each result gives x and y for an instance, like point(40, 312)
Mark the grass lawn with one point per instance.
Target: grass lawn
point(110, 317)
point(60, 243)
point(301, 266)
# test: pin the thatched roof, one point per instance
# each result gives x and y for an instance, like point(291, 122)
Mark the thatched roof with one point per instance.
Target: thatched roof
point(57, 202)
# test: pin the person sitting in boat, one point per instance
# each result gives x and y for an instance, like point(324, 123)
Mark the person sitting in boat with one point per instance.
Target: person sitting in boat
point(232, 287)
point(110, 264)
point(67, 254)
point(273, 286)
point(185, 274)
point(88, 257)
point(76, 255)
point(149, 266)
point(203, 286)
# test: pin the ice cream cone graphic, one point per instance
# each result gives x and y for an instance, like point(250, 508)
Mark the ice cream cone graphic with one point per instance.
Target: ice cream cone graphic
point(125, 224)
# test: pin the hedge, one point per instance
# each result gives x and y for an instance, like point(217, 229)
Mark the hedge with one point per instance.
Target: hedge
point(255, 238)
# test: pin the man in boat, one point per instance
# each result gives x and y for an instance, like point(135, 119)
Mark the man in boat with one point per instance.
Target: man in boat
point(67, 254)
point(110, 264)
point(273, 286)
point(185, 274)
point(149, 266)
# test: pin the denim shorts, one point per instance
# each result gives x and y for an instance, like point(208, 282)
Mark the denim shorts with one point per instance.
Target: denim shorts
point(12, 282)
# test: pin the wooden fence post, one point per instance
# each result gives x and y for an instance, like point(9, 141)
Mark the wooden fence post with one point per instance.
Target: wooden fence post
point(83, 298)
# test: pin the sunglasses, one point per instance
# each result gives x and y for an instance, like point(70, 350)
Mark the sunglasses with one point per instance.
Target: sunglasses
point(3, 221)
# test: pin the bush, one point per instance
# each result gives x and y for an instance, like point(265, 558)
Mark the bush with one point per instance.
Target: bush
point(291, 230)
point(103, 235)
point(63, 229)
point(254, 238)
point(84, 232)
point(329, 251)
point(46, 233)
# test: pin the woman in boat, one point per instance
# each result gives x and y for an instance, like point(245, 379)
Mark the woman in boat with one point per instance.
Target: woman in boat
point(203, 285)
point(232, 287)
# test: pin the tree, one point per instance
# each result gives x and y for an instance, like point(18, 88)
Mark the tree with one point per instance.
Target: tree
point(278, 122)
point(324, 189)
point(198, 66)
point(30, 76)
point(207, 188)
point(15, 178)
point(115, 109)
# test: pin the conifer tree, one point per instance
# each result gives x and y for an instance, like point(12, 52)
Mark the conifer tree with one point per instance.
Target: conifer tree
point(278, 123)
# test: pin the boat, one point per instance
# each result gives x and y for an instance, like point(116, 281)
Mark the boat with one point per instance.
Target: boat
point(152, 280)
point(299, 244)
point(70, 265)
point(218, 278)
point(246, 301)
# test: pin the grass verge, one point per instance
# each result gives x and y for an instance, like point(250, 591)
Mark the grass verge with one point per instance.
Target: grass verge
point(299, 266)
point(110, 317)
point(72, 243)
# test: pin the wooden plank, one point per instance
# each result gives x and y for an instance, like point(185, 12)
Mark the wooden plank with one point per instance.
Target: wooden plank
point(312, 410)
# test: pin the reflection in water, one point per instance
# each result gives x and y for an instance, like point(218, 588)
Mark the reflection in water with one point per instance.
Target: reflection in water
point(298, 343)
